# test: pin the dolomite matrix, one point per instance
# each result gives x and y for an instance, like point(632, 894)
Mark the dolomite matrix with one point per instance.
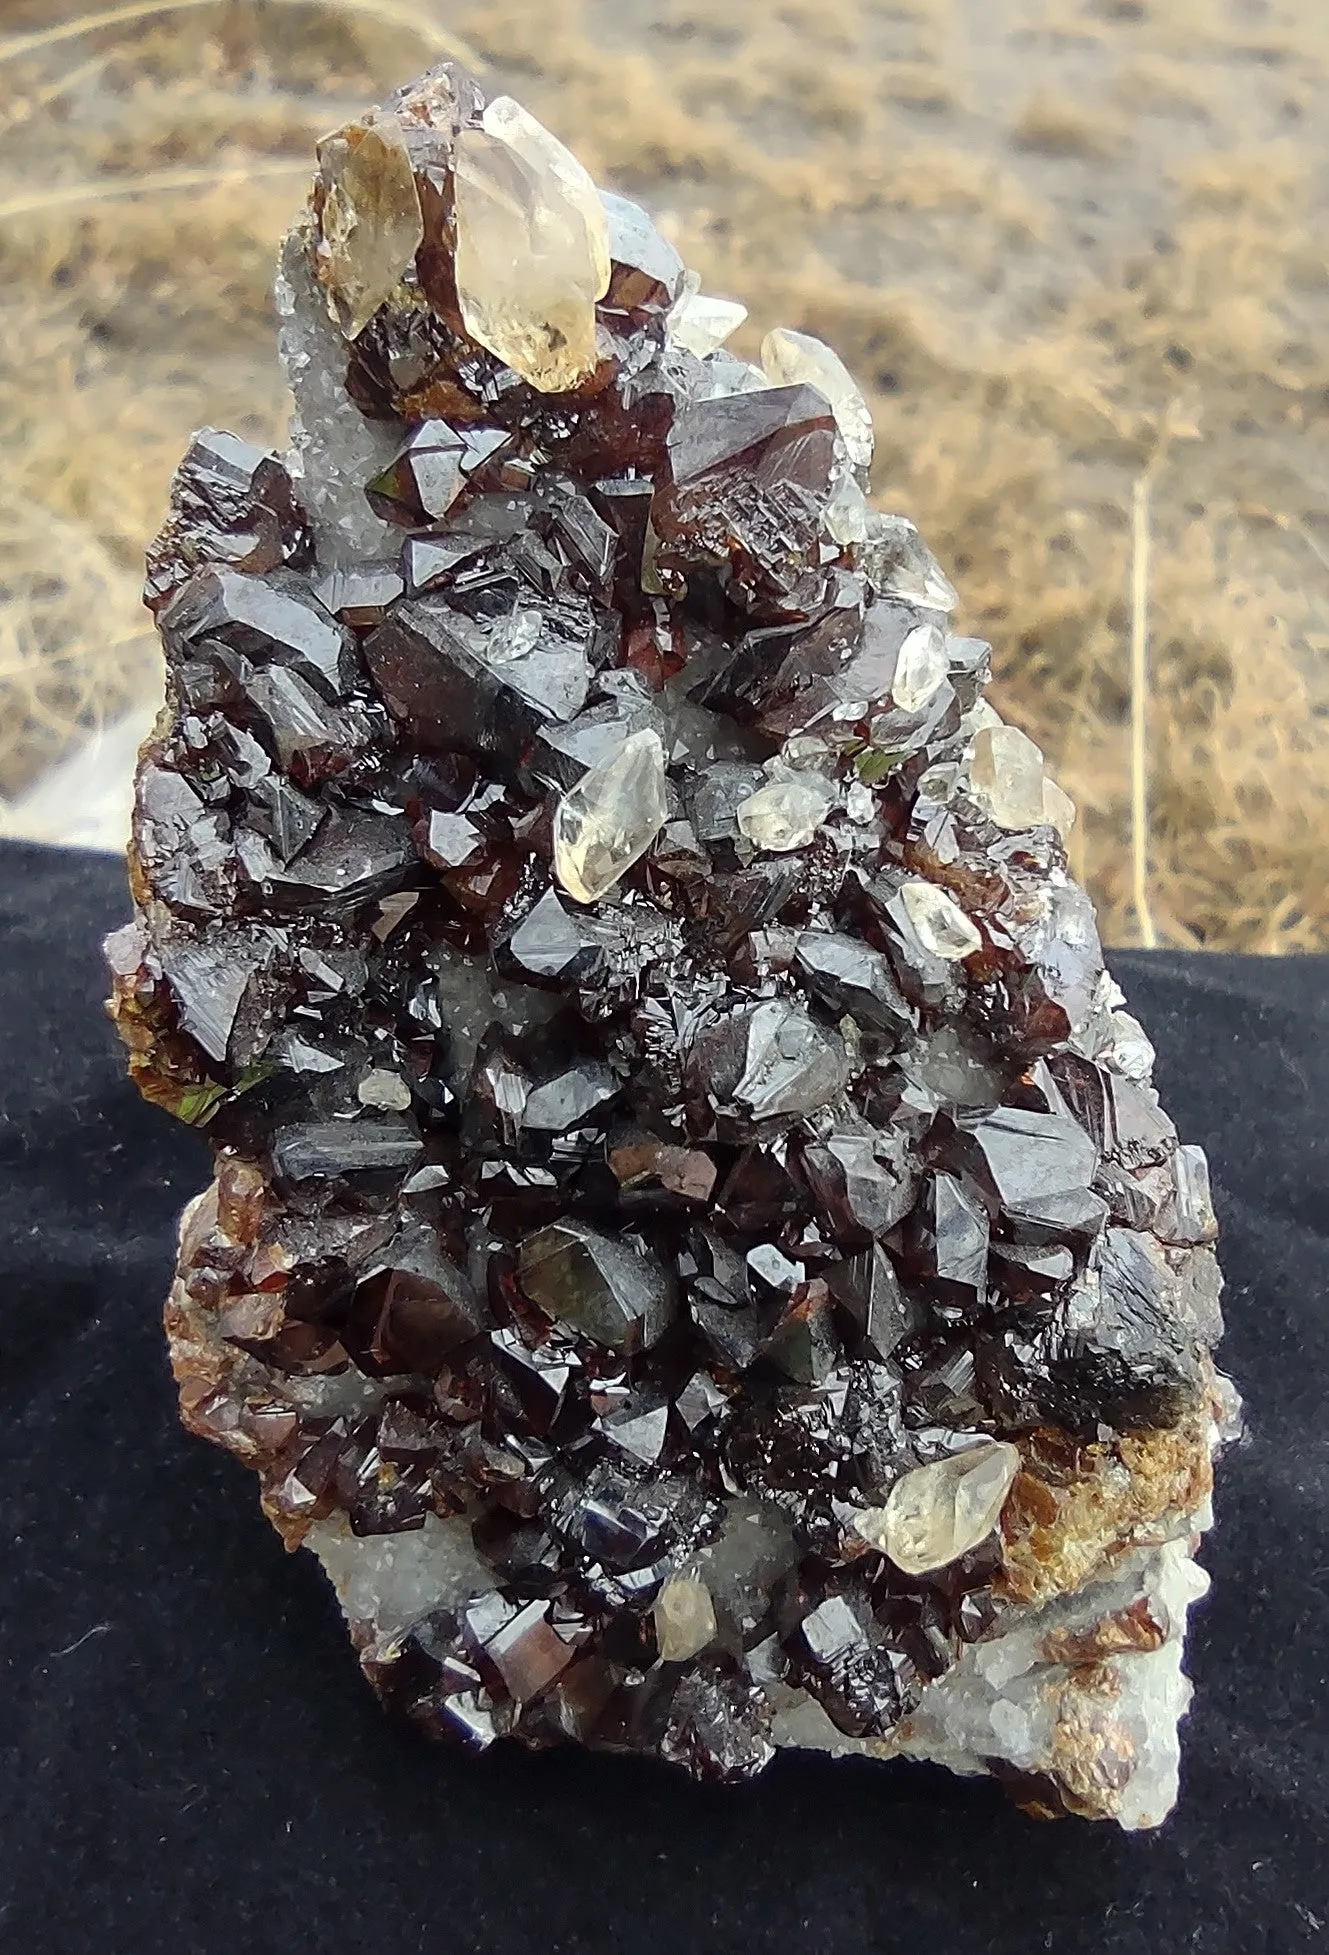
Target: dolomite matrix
point(694, 1250)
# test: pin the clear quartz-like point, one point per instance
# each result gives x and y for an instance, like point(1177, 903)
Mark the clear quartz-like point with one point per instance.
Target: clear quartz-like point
point(785, 814)
point(371, 224)
point(684, 1616)
point(1128, 1049)
point(898, 563)
point(609, 820)
point(938, 1512)
point(848, 515)
point(791, 359)
point(532, 247)
point(1006, 773)
point(1058, 809)
point(939, 923)
point(921, 668)
point(700, 324)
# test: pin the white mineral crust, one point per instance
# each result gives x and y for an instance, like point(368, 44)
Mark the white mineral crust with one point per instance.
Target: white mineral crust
point(1110, 1724)
point(335, 450)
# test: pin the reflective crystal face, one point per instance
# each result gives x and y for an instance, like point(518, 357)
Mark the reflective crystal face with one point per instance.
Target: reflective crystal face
point(1007, 775)
point(941, 925)
point(371, 222)
point(793, 359)
point(610, 818)
point(532, 247)
point(694, 1247)
point(939, 1512)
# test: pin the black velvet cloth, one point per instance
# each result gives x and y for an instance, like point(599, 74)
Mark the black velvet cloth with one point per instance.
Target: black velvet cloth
point(191, 1761)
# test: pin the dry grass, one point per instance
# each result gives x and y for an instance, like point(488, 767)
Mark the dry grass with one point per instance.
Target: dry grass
point(1050, 237)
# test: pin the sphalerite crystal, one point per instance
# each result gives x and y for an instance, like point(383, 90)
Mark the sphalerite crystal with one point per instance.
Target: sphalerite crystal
point(694, 1248)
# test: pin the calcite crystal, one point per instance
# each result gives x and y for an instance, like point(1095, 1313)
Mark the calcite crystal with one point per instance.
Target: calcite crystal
point(694, 1250)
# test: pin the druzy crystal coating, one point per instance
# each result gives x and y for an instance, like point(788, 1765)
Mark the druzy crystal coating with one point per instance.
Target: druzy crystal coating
point(694, 1249)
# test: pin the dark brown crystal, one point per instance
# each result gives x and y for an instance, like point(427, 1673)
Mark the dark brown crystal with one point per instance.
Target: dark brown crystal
point(566, 1255)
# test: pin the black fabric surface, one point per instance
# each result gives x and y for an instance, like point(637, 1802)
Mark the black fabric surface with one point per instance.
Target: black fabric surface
point(192, 1763)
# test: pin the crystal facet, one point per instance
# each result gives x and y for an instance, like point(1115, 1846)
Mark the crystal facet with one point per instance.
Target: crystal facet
point(532, 247)
point(609, 820)
point(792, 359)
point(700, 324)
point(785, 814)
point(684, 1619)
point(941, 925)
point(371, 224)
point(938, 1512)
point(694, 1249)
point(1007, 774)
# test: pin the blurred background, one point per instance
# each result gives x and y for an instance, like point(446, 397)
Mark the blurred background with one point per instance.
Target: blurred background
point(1074, 251)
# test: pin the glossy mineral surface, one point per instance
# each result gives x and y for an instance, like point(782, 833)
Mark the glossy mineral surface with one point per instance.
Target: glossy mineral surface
point(694, 1251)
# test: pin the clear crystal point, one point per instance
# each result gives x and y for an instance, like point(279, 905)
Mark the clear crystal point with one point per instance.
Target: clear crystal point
point(1006, 772)
point(921, 667)
point(941, 925)
point(898, 563)
point(609, 820)
point(791, 359)
point(532, 247)
point(785, 814)
point(700, 323)
point(1058, 808)
point(936, 1513)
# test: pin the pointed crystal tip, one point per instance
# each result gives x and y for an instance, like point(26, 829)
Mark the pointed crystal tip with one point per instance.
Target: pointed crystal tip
point(938, 1512)
point(532, 247)
point(609, 820)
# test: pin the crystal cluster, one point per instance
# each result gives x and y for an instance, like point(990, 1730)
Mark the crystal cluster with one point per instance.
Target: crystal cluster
point(694, 1250)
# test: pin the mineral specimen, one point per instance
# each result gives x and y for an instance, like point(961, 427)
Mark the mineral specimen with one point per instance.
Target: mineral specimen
point(694, 1248)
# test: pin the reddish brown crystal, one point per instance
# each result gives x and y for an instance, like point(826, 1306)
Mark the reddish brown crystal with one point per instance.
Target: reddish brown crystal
point(657, 1106)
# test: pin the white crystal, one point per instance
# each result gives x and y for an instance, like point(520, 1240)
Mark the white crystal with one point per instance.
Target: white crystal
point(385, 1092)
point(920, 668)
point(335, 449)
point(939, 923)
point(684, 1618)
point(791, 359)
point(847, 517)
point(785, 814)
point(938, 1512)
point(801, 752)
point(724, 375)
point(898, 563)
point(532, 247)
point(699, 323)
point(610, 818)
point(1058, 808)
point(859, 804)
point(386, 1582)
point(1127, 1047)
point(1006, 773)
point(982, 713)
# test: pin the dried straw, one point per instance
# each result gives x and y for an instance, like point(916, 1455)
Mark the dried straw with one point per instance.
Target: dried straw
point(1158, 611)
